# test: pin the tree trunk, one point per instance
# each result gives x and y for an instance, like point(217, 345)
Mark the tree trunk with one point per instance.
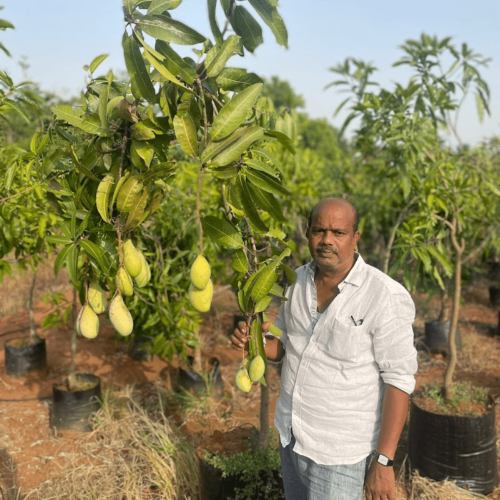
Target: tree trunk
point(34, 338)
point(72, 367)
point(264, 415)
point(450, 369)
point(444, 314)
point(197, 364)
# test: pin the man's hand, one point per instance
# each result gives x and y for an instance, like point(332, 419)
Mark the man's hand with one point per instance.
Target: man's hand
point(380, 482)
point(239, 339)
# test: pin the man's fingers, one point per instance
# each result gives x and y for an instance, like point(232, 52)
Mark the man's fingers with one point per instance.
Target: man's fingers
point(265, 327)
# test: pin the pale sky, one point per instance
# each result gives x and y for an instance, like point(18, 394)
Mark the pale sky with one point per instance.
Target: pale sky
point(58, 37)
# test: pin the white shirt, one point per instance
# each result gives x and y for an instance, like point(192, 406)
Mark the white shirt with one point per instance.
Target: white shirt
point(334, 373)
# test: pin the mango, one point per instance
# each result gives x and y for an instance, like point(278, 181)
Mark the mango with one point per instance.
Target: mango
point(201, 299)
point(142, 279)
point(124, 282)
point(120, 316)
point(243, 382)
point(200, 272)
point(257, 368)
point(97, 298)
point(131, 259)
point(87, 322)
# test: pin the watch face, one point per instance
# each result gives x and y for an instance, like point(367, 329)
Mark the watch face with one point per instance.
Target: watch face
point(382, 459)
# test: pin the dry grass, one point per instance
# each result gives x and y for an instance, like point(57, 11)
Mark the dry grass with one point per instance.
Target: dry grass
point(133, 454)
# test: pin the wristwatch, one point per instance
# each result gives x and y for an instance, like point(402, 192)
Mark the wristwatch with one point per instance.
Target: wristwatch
point(383, 460)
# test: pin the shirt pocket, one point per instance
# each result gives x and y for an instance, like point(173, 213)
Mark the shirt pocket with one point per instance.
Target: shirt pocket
point(344, 342)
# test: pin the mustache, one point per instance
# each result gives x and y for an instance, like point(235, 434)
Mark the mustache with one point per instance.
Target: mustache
point(326, 247)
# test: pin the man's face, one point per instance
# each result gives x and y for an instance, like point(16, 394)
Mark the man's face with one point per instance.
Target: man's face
point(332, 239)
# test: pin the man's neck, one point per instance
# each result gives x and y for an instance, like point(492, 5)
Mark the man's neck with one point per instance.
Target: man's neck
point(333, 276)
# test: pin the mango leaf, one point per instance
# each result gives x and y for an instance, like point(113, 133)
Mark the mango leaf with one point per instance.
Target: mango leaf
point(239, 261)
point(82, 168)
point(103, 194)
point(61, 257)
point(282, 139)
point(267, 156)
point(163, 70)
point(228, 172)
point(185, 132)
point(226, 51)
point(169, 30)
point(58, 239)
point(234, 112)
point(263, 304)
point(95, 254)
point(142, 87)
point(129, 191)
point(160, 6)
point(67, 114)
point(96, 62)
point(236, 79)
point(263, 284)
point(222, 232)
point(262, 166)
point(175, 63)
point(238, 147)
point(136, 214)
point(214, 25)
point(248, 203)
point(214, 148)
point(72, 264)
point(271, 17)
point(266, 201)
point(158, 171)
point(50, 161)
point(291, 275)
point(266, 182)
point(247, 27)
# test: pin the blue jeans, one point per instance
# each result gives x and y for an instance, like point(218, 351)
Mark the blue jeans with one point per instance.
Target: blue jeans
point(304, 479)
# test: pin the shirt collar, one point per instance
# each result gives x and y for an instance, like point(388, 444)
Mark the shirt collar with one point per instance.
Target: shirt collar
point(355, 276)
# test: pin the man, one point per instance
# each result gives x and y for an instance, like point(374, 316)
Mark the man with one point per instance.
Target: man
point(348, 367)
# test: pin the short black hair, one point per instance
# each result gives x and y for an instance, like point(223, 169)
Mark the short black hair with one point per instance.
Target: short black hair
point(356, 215)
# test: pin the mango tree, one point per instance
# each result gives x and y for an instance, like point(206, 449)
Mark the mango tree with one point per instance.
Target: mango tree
point(120, 155)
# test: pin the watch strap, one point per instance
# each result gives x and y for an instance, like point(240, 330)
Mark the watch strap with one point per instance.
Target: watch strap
point(383, 459)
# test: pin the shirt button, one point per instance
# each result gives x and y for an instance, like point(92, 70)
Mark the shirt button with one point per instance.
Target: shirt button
point(303, 363)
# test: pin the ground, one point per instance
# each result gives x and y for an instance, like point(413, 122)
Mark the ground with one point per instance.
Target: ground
point(31, 453)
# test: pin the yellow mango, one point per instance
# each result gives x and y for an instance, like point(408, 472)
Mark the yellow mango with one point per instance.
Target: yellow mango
point(120, 316)
point(142, 279)
point(131, 259)
point(124, 282)
point(201, 299)
point(243, 382)
point(97, 298)
point(87, 322)
point(257, 368)
point(200, 272)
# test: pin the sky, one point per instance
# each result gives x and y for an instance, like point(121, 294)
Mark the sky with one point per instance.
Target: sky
point(56, 38)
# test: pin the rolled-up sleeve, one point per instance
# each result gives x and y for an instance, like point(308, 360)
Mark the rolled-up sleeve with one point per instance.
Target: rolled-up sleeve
point(393, 339)
point(281, 324)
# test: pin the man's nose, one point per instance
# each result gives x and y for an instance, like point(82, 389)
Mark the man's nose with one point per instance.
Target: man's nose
point(328, 238)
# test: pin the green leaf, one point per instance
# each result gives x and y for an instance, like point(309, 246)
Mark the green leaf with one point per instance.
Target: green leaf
point(222, 232)
point(95, 254)
point(234, 112)
point(103, 105)
point(159, 171)
point(142, 87)
point(82, 168)
point(227, 172)
point(66, 113)
point(160, 6)
point(169, 30)
point(268, 156)
point(239, 261)
point(261, 166)
point(128, 193)
point(96, 62)
point(271, 17)
point(185, 133)
point(263, 284)
point(136, 214)
point(141, 132)
point(282, 139)
point(61, 257)
point(9, 177)
point(236, 79)
point(72, 264)
point(248, 203)
point(291, 275)
point(214, 25)
point(266, 201)
point(262, 304)
point(247, 27)
point(58, 239)
point(266, 182)
point(174, 62)
point(226, 51)
point(236, 148)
